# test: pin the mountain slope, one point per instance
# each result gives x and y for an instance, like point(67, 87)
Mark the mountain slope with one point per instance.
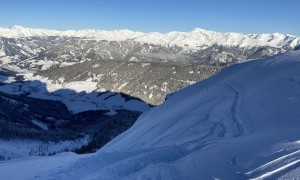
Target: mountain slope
point(150, 82)
point(241, 123)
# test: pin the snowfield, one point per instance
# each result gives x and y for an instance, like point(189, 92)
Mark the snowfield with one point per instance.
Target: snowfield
point(242, 123)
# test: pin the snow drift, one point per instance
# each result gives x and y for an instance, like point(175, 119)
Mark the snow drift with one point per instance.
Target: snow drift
point(242, 123)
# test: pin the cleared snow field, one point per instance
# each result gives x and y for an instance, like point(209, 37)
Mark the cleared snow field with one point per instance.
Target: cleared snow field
point(242, 123)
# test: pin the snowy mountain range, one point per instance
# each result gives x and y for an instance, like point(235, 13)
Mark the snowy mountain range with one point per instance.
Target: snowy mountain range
point(42, 48)
point(242, 123)
point(197, 37)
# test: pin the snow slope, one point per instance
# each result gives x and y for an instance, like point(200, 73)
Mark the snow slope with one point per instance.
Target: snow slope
point(13, 149)
point(242, 123)
point(190, 40)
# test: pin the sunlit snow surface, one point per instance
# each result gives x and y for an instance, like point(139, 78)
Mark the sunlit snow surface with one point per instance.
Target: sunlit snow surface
point(242, 123)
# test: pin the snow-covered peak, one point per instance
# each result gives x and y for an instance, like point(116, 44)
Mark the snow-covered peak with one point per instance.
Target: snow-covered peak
point(17, 27)
point(19, 31)
point(196, 38)
point(201, 31)
point(115, 35)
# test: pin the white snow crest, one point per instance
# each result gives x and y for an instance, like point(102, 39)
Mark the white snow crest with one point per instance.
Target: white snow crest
point(189, 40)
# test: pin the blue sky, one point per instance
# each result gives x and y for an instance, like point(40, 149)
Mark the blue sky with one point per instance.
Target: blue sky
point(247, 16)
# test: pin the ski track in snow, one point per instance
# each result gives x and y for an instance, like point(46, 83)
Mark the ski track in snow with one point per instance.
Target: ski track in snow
point(234, 113)
point(277, 167)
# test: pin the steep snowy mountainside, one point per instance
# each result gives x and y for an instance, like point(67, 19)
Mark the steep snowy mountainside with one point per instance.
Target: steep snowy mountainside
point(224, 127)
point(243, 99)
point(242, 123)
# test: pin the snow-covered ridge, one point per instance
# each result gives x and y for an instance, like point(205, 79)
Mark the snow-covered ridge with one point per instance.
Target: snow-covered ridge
point(116, 35)
point(196, 38)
